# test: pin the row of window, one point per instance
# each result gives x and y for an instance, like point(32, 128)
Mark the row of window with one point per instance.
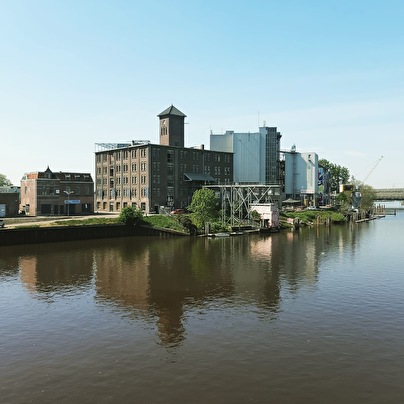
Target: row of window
point(117, 206)
point(133, 192)
point(196, 155)
point(51, 191)
point(112, 156)
point(125, 193)
point(156, 177)
point(157, 166)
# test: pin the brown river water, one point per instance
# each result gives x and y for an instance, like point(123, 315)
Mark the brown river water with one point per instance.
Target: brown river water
point(311, 316)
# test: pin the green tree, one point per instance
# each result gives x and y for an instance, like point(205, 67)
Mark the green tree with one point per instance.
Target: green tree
point(338, 174)
point(344, 202)
point(4, 181)
point(130, 216)
point(368, 197)
point(204, 207)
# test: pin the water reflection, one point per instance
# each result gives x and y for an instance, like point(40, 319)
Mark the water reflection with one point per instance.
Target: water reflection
point(160, 280)
point(296, 316)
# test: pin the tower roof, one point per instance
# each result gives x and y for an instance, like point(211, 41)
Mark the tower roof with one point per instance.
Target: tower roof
point(171, 110)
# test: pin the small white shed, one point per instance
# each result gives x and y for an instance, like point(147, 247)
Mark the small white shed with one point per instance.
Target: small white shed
point(269, 214)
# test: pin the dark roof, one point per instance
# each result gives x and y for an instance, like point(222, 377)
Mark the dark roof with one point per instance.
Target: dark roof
point(171, 111)
point(198, 177)
point(290, 200)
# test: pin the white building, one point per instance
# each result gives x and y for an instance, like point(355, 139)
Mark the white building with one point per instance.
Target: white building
point(256, 155)
point(301, 176)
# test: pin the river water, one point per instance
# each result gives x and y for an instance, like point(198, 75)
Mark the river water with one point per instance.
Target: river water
point(312, 316)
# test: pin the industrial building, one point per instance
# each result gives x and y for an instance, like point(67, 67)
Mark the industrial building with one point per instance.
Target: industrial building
point(256, 155)
point(301, 176)
point(157, 177)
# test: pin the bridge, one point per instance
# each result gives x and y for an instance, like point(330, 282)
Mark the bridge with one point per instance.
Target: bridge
point(390, 194)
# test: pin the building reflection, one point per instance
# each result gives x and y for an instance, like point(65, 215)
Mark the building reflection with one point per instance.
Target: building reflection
point(9, 263)
point(165, 280)
point(50, 268)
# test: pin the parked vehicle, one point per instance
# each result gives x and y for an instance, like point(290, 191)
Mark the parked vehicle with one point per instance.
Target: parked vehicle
point(178, 212)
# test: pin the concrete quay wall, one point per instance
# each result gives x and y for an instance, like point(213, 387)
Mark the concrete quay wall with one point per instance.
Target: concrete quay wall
point(36, 235)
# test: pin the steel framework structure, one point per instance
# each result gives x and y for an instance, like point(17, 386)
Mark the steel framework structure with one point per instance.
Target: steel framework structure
point(236, 201)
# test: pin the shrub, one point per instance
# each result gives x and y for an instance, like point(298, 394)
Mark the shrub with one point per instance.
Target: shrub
point(130, 215)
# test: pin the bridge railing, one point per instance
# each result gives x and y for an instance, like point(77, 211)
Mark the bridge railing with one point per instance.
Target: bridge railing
point(390, 194)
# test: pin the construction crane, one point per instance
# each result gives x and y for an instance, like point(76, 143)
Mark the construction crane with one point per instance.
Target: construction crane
point(356, 194)
point(373, 166)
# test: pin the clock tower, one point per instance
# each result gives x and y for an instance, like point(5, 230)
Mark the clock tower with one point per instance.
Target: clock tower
point(172, 127)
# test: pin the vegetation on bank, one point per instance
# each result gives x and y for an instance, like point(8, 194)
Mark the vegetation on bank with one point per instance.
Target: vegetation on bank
point(312, 217)
point(164, 222)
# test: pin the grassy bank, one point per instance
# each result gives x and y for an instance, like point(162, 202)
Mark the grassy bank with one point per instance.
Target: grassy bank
point(313, 217)
point(174, 222)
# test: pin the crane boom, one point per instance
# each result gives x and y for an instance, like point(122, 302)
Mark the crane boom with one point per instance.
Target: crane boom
point(374, 165)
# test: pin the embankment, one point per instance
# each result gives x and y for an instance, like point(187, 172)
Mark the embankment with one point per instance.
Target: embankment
point(73, 233)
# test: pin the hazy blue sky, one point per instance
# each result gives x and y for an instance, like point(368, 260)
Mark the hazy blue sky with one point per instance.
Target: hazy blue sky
point(328, 74)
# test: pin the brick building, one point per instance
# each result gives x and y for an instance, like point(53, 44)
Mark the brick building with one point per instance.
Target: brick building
point(62, 193)
point(9, 201)
point(151, 176)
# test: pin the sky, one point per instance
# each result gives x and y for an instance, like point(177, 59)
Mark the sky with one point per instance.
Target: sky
point(328, 74)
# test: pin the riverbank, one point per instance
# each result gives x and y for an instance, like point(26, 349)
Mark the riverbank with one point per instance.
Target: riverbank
point(35, 235)
point(32, 230)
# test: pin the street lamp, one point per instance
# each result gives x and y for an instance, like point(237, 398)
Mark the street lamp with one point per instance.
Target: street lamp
point(68, 193)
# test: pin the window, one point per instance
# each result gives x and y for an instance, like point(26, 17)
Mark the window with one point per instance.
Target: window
point(170, 156)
